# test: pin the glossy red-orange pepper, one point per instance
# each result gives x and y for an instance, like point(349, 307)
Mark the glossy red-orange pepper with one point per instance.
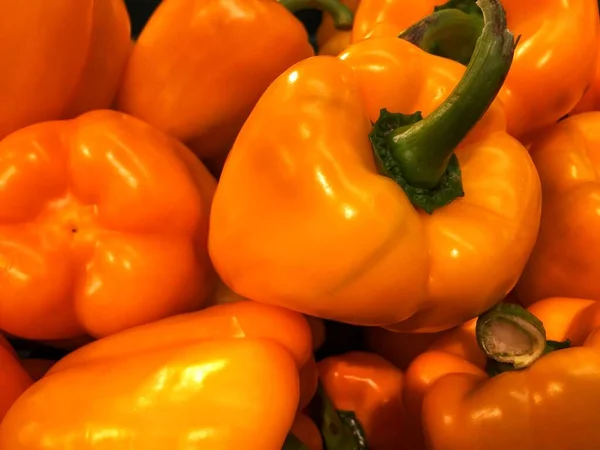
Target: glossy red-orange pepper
point(553, 65)
point(565, 259)
point(198, 67)
point(550, 405)
point(309, 221)
point(66, 57)
point(14, 380)
point(103, 226)
point(370, 387)
point(223, 378)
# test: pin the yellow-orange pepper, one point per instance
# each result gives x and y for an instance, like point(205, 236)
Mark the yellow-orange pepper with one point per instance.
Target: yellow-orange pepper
point(62, 58)
point(103, 226)
point(14, 380)
point(310, 220)
point(370, 388)
point(565, 261)
point(554, 62)
point(223, 378)
point(199, 67)
point(548, 405)
point(332, 40)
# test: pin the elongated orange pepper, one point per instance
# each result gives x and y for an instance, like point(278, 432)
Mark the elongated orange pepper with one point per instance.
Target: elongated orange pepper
point(103, 226)
point(366, 389)
point(331, 40)
point(564, 261)
point(313, 220)
point(548, 405)
point(223, 378)
point(14, 380)
point(556, 38)
point(179, 80)
point(66, 58)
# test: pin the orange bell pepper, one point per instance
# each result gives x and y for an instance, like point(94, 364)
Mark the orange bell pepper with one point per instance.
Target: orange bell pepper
point(179, 80)
point(366, 390)
point(223, 378)
point(103, 226)
point(63, 57)
point(555, 37)
point(565, 261)
point(14, 380)
point(547, 405)
point(341, 234)
point(331, 40)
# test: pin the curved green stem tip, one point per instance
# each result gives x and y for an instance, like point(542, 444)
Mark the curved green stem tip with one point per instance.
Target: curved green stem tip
point(418, 153)
point(343, 17)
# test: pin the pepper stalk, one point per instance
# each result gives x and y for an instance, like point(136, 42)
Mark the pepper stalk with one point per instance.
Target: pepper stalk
point(451, 31)
point(513, 337)
point(343, 17)
point(417, 152)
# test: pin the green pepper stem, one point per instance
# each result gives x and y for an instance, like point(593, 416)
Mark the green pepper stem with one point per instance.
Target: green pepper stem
point(423, 150)
point(450, 33)
point(293, 443)
point(340, 429)
point(510, 334)
point(343, 17)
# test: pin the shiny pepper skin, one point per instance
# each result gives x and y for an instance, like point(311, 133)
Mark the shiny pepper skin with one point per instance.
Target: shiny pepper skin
point(103, 226)
point(62, 58)
point(305, 220)
point(550, 405)
point(224, 378)
point(199, 67)
point(370, 387)
point(564, 261)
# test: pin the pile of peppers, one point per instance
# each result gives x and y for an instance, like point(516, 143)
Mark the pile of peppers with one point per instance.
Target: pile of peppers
point(234, 230)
